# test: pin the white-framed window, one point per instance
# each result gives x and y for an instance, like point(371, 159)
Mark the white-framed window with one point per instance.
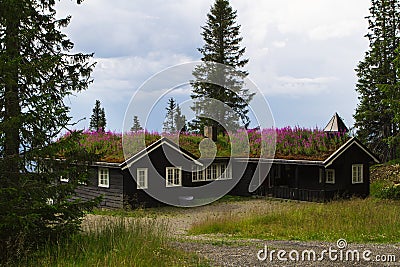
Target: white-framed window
point(217, 171)
point(208, 173)
point(141, 178)
point(224, 172)
point(214, 172)
point(330, 176)
point(357, 173)
point(197, 173)
point(104, 177)
point(194, 174)
point(174, 176)
point(200, 173)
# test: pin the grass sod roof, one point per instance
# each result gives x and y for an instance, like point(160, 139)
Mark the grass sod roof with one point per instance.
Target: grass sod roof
point(291, 143)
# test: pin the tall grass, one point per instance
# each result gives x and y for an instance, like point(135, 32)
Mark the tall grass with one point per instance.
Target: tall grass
point(119, 242)
point(355, 220)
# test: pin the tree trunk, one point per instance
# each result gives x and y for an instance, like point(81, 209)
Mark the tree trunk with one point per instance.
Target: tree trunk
point(12, 109)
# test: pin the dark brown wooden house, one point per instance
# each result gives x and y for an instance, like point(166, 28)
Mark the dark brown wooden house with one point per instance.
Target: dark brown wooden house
point(163, 166)
point(343, 173)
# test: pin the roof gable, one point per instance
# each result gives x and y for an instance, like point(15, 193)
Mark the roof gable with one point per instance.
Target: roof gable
point(163, 141)
point(353, 141)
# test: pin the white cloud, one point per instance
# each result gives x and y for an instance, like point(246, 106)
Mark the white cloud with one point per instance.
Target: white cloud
point(305, 48)
point(279, 44)
point(334, 30)
point(300, 86)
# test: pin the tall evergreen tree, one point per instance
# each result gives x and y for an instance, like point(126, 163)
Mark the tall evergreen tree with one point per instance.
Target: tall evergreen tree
point(98, 119)
point(180, 120)
point(136, 124)
point(222, 45)
point(37, 72)
point(169, 123)
point(377, 76)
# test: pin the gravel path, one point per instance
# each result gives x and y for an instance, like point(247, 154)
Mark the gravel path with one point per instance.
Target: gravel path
point(244, 253)
point(222, 251)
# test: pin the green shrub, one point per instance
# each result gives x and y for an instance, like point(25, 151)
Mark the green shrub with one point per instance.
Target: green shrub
point(390, 192)
point(377, 187)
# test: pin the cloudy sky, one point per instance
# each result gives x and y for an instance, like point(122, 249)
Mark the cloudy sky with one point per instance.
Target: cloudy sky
point(302, 53)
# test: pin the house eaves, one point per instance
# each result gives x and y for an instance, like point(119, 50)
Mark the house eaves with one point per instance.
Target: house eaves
point(344, 147)
point(106, 164)
point(163, 141)
point(282, 161)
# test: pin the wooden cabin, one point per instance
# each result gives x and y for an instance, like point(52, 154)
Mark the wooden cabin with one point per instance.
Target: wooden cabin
point(164, 168)
point(344, 173)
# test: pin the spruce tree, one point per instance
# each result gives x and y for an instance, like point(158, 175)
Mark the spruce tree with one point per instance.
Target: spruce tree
point(98, 118)
point(180, 120)
point(37, 72)
point(169, 123)
point(136, 124)
point(377, 76)
point(221, 45)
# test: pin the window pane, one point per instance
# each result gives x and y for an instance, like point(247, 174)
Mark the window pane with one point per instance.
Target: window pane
point(223, 169)
point(103, 177)
point(214, 172)
point(200, 173)
point(141, 178)
point(194, 173)
point(208, 170)
point(170, 177)
point(176, 178)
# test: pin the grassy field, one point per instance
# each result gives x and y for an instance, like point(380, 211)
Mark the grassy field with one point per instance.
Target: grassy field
point(115, 243)
point(356, 220)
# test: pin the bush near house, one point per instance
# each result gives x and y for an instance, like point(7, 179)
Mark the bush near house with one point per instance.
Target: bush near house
point(385, 181)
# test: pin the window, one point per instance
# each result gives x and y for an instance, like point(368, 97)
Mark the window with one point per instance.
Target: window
point(213, 172)
point(194, 174)
point(197, 173)
point(174, 176)
point(141, 176)
point(330, 176)
point(357, 174)
point(208, 173)
point(224, 172)
point(104, 177)
point(200, 173)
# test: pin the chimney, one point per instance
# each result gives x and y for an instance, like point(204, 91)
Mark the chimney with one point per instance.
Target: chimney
point(210, 132)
